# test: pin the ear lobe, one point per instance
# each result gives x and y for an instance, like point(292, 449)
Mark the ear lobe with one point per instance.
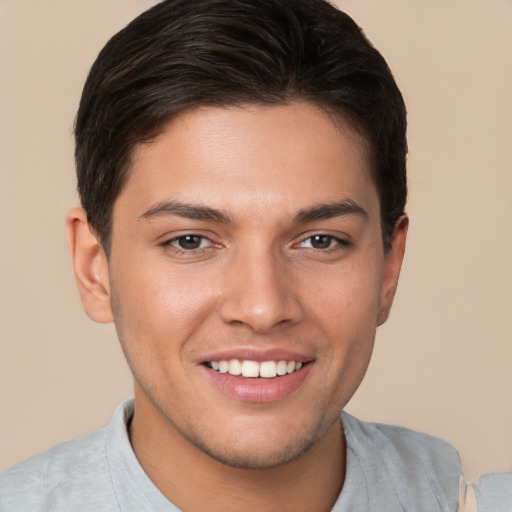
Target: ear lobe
point(392, 265)
point(90, 266)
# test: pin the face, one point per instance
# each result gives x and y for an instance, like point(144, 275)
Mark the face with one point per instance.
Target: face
point(249, 240)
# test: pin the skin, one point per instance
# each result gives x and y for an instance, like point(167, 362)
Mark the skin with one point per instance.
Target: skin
point(258, 280)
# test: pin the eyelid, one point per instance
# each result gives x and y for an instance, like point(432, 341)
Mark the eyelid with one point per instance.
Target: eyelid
point(179, 233)
point(169, 243)
point(341, 239)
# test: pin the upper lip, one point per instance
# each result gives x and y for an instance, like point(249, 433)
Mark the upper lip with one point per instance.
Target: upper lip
point(260, 355)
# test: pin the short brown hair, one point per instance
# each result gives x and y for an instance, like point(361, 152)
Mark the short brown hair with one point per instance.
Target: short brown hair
point(182, 54)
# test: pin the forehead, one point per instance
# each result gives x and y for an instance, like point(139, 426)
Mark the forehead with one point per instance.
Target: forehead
point(251, 156)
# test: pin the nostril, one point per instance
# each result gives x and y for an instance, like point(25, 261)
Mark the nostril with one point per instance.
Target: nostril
point(263, 300)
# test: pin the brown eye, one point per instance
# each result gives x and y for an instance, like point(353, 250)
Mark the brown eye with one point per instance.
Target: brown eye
point(189, 242)
point(321, 241)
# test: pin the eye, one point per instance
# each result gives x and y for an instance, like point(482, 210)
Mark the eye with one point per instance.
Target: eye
point(322, 241)
point(189, 242)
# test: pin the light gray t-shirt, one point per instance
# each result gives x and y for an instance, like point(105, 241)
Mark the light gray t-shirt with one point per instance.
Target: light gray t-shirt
point(389, 469)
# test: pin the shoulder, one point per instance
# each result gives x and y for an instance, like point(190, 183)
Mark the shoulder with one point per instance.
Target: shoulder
point(417, 466)
point(47, 481)
point(403, 445)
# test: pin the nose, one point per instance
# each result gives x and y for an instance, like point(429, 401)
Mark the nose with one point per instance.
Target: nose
point(259, 292)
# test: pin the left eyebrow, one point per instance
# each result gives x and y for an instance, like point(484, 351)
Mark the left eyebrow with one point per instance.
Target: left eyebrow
point(330, 210)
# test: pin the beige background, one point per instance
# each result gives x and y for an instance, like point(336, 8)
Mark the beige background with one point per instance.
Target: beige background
point(442, 363)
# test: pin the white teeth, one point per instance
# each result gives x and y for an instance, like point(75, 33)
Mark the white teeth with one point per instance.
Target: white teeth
point(250, 369)
point(235, 367)
point(281, 368)
point(247, 368)
point(268, 369)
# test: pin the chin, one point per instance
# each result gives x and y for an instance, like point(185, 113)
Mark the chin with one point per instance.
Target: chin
point(258, 444)
point(252, 455)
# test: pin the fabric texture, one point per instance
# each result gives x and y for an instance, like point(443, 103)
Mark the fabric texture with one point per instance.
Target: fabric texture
point(389, 469)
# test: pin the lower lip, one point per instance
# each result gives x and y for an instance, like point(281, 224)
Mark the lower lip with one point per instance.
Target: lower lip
point(259, 390)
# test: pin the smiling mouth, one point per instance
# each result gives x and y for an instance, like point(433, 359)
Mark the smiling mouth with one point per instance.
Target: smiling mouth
point(255, 369)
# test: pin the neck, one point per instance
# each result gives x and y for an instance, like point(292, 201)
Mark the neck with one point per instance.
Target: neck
point(189, 478)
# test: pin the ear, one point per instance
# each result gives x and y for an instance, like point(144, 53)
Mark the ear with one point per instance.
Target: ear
point(391, 271)
point(90, 265)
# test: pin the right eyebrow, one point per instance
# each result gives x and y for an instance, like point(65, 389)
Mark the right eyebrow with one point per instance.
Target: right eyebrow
point(187, 210)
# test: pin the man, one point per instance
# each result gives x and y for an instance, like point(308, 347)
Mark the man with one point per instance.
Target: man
point(241, 167)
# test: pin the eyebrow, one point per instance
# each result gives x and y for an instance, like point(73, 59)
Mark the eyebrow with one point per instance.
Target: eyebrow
point(189, 211)
point(330, 210)
point(200, 212)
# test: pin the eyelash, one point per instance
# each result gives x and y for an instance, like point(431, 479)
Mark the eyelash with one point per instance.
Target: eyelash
point(338, 243)
point(181, 250)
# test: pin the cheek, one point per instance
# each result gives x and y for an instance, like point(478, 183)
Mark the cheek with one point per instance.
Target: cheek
point(159, 307)
point(348, 297)
point(347, 314)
